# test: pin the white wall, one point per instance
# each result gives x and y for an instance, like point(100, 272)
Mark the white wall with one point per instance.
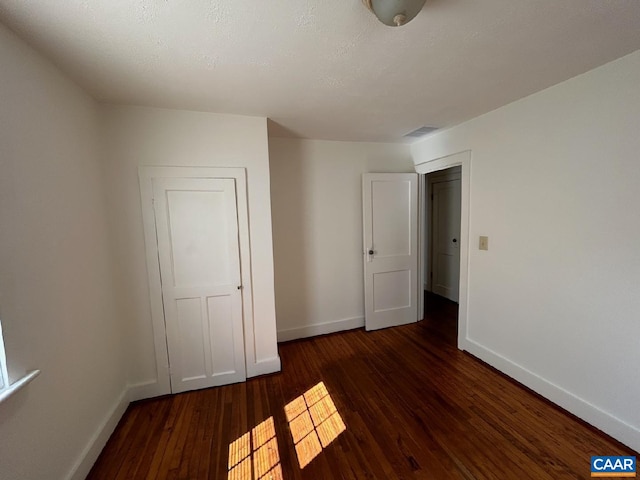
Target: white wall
point(56, 292)
point(136, 136)
point(316, 193)
point(555, 301)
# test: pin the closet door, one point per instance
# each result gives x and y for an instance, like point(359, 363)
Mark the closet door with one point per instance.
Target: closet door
point(199, 256)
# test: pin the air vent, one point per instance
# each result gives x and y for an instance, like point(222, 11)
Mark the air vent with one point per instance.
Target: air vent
point(420, 132)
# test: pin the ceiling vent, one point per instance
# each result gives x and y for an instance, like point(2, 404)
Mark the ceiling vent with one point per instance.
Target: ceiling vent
point(420, 132)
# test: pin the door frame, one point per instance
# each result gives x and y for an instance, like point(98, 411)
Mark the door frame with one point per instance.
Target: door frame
point(462, 159)
point(146, 175)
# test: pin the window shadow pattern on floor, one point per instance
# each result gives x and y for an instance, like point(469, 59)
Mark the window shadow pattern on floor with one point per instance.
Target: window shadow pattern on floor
point(254, 456)
point(314, 422)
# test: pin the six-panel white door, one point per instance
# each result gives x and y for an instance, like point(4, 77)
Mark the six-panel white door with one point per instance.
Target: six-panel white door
point(197, 234)
point(390, 211)
point(446, 239)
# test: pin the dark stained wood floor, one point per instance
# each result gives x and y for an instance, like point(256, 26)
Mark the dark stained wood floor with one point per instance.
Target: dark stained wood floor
point(413, 405)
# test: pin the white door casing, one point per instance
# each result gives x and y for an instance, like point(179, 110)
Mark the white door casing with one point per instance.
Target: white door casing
point(390, 236)
point(198, 252)
point(148, 174)
point(431, 165)
point(446, 238)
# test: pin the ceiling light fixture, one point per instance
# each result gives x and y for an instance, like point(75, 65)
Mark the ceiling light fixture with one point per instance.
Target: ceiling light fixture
point(395, 12)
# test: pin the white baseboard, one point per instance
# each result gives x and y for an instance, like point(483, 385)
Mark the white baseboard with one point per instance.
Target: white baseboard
point(98, 440)
point(153, 388)
point(144, 390)
point(264, 367)
point(320, 329)
point(591, 414)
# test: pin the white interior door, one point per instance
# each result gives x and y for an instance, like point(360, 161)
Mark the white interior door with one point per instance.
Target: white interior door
point(390, 214)
point(446, 239)
point(198, 252)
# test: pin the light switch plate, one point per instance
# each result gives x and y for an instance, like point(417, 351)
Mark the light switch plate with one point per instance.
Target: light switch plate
point(484, 243)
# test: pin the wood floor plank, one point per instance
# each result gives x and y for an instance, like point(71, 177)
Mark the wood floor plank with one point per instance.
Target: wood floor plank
point(414, 407)
point(154, 435)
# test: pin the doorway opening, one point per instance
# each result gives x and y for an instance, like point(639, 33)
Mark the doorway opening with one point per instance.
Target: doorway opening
point(444, 243)
point(441, 265)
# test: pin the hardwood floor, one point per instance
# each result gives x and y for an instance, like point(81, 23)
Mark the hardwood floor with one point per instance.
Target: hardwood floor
point(413, 406)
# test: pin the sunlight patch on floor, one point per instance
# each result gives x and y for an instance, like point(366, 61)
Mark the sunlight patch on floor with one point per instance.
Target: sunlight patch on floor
point(314, 422)
point(258, 449)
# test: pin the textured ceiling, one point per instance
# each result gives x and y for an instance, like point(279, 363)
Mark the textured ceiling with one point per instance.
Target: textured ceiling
point(325, 69)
